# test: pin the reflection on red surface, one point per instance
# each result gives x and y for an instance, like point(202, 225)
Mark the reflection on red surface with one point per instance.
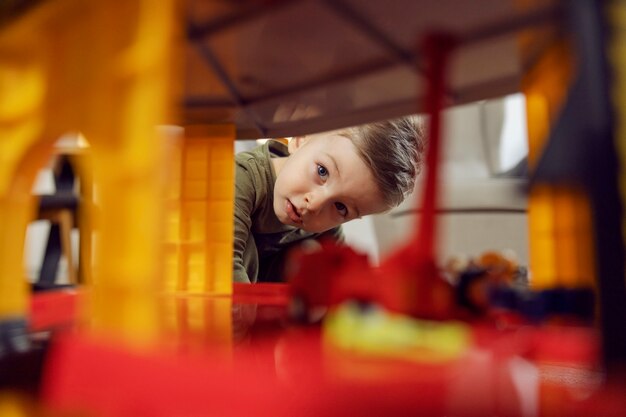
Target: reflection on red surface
point(275, 368)
point(54, 309)
point(268, 294)
point(277, 376)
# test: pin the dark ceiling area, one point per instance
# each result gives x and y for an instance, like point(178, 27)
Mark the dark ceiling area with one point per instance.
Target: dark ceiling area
point(288, 67)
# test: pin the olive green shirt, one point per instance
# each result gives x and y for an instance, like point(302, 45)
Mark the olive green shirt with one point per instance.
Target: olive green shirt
point(261, 240)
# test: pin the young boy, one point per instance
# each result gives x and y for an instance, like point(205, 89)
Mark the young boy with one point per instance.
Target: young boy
point(306, 190)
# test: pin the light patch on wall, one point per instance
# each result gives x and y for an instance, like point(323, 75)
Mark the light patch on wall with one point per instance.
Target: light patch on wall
point(514, 142)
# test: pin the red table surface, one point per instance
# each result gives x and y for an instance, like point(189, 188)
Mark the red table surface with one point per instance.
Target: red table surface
point(273, 367)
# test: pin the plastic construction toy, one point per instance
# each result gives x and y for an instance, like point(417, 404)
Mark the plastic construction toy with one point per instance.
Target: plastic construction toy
point(326, 276)
point(494, 285)
point(473, 278)
point(102, 69)
point(574, 305)
point(372, 331)
point(409, 282)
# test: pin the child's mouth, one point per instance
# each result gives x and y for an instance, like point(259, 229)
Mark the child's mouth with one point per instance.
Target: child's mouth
point(292, 213)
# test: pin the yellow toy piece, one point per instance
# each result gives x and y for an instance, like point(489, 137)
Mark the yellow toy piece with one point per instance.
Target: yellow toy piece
point(616, 12)
point(379, 333)
point(559, 217)
point(200, 209)
point(104, 69)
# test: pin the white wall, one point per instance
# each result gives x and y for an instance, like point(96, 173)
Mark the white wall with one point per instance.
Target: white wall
point(484, 210)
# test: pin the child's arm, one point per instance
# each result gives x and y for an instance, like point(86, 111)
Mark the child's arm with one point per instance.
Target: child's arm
point(242, 233)
point(244, 205)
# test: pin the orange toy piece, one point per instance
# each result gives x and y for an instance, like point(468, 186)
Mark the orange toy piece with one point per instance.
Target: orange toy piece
point(502, 268)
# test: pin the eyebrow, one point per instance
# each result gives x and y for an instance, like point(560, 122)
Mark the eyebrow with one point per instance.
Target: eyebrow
point(334, 162)
point(356, 209)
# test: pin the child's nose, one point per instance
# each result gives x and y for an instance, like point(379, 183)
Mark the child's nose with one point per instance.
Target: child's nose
point(314, 202)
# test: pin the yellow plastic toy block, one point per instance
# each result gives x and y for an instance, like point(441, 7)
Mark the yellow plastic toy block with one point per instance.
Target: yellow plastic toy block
point(616, 12)
point(104, 69)
point(559, 217)
point(200, 207)
point(384, 334)
point(22, 104)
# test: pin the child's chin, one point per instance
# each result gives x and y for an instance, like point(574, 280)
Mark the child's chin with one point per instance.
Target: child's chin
point(310, 230)
point(289, 222)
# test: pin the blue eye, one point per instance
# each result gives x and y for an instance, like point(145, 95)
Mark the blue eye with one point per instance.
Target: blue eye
point(342, 209)
point(322, 171)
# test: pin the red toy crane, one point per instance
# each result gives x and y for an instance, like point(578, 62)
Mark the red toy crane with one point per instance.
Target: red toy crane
point(409, 281)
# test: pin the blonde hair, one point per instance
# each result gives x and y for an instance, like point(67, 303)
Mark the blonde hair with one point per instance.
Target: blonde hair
point(393, 150)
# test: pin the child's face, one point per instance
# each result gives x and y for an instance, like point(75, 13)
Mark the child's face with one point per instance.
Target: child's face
point(324, 183)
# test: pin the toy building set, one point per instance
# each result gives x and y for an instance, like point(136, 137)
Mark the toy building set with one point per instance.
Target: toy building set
point(151, 324)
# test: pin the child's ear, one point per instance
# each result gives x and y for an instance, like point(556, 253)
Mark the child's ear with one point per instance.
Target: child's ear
point(295, 143)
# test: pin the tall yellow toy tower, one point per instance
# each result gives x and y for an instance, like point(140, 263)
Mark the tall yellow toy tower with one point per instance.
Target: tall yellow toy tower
point(199, 206)
point(104, 69)
point(559, 217)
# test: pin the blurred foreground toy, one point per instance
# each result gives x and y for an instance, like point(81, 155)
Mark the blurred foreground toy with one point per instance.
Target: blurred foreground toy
point(322, 277)
point(567, 305)
point(408, 282)
point(21, 359)
point(326, 277)
point(493, 285)
point(472, 278)
point(373, 331)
